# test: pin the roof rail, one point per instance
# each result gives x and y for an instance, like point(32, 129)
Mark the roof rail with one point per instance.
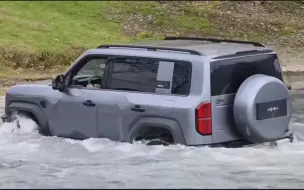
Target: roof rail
point(214, 40)
point(151, 48)
point(240, 53)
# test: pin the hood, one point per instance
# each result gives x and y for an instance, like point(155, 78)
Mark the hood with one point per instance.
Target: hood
point(31, 89)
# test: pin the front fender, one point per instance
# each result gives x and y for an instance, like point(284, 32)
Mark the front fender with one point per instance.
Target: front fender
point(169, 124)
point(31, 108)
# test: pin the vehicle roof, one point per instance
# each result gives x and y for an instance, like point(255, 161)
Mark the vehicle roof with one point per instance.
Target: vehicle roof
point(211, 50)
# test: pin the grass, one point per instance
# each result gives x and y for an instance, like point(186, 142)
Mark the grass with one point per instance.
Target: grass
point(172, 16)
point(24, 75)
point(51, 26)
point(9, 77)
point(44, 37)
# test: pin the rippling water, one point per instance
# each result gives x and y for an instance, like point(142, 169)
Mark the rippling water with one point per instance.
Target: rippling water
point(29, 160)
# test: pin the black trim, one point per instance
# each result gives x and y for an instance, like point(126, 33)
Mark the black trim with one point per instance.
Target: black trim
point(151, 48)
point(214, 40)
point(244, 53)
point(173, 126)
point(271, 109)
point(163, 84)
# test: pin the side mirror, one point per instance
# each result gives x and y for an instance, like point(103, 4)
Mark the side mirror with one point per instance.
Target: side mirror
point(58, 83)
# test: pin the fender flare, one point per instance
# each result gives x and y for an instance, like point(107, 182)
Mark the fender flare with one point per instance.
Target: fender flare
point(33, 109)
point(168, 124)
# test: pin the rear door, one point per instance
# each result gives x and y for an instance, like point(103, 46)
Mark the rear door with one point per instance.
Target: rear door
point(139, 88)
point(226, 77)
point(128, 93)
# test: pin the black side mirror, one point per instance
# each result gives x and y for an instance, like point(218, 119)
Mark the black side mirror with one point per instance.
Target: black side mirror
point(58, 83)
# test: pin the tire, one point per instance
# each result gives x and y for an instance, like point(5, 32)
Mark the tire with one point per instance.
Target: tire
point(154, 142)
point(154, 136)
point(262, 109)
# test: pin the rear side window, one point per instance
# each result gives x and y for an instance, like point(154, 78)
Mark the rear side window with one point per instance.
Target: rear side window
point(134, 75)
point(181, 78)
point(143, 75)
point(227, 75)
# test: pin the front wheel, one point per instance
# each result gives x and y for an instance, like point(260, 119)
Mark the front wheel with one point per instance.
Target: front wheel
point(25, 120)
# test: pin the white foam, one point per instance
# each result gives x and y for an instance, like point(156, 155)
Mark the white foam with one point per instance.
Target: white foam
point(91, 144)
point(105, 163)
point(19, 147)
point(26, 126)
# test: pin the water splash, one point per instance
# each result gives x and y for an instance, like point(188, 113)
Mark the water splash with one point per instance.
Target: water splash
point(26, 126)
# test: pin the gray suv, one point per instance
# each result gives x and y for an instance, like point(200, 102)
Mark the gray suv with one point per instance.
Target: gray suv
point(180, 90)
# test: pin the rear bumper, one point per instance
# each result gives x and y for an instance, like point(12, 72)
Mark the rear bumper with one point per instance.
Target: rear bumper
point(289, 135)
point(244, 143)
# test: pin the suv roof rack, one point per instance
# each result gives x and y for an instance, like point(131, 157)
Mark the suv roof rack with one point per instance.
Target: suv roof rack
point(214, 40)
point(151, 48)
point(243, 53)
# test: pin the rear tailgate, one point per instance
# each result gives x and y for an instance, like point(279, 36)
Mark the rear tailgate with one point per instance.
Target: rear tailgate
point(226, 77)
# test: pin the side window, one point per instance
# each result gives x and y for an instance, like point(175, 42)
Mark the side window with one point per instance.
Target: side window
point(132, 74)
point(143, 75)
point(91, 74)
point(181, 78)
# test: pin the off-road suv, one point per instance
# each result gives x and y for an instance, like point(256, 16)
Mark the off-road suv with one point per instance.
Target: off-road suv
point(180, 90)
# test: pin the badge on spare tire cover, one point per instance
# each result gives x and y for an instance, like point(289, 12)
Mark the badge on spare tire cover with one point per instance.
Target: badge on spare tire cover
point(262, 109)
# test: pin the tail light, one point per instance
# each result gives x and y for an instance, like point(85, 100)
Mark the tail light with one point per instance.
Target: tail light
point(203, 119)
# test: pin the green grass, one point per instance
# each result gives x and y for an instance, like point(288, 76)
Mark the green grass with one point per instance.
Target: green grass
point(49, 26)
point(52, 26)
point(48, 35)
point(175, 15)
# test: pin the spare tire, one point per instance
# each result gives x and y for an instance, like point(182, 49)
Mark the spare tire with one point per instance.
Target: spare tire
point(262, 109)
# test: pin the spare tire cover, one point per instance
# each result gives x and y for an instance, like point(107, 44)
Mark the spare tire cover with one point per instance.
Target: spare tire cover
point(262, 108)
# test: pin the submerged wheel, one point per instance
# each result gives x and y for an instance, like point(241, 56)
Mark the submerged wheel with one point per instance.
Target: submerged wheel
point(15, 115)
point(155, 136)
point(158, 142)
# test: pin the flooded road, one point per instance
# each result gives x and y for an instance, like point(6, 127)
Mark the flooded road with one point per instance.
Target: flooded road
point(29, 160)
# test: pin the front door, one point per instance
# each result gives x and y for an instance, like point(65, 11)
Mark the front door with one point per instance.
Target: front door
point(75, 114)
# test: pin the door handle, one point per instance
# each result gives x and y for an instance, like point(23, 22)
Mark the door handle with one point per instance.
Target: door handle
point(137, 108)
point(89, 103)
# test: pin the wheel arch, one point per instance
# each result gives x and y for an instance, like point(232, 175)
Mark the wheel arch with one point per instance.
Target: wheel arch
point(145, 123)
point(32, 109)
